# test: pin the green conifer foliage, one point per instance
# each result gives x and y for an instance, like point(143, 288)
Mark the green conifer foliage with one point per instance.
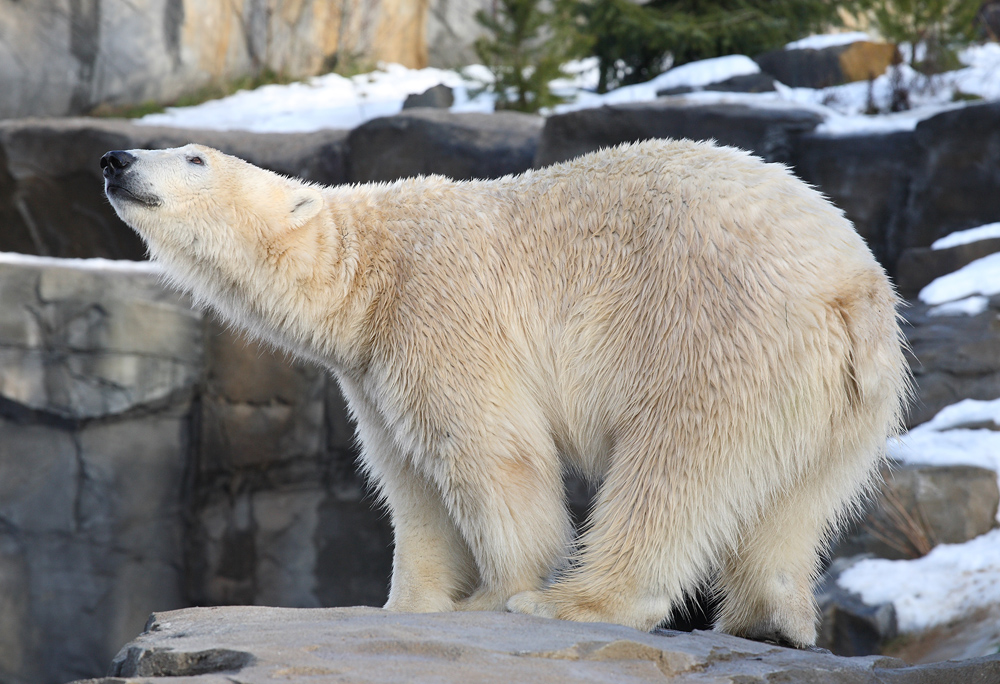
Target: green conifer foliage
point(936, 27)
point(524, 52)
point(636, 42)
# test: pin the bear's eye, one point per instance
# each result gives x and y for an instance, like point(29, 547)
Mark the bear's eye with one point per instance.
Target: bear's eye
point(196, 160)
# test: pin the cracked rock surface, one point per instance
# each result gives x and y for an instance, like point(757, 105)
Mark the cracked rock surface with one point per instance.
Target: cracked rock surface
point(251, 645)
point(97, 374)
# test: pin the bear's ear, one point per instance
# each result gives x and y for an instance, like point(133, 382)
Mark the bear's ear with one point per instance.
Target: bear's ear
point(304, 203)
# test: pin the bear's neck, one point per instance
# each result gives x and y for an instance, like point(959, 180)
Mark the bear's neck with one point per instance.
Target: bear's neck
point(316, 293)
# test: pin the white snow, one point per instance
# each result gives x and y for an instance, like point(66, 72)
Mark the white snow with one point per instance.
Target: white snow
point(827, 40)
point(330, 101)
point(981, 277)
point(706, 71)
point(115, 265)
point(693, 74)
point(959, 446)
point(954, 436)
point(333, 101)
point(965, 412)
point(964, 237)
point(951, 581)
point(982, 74)
point(970, 306)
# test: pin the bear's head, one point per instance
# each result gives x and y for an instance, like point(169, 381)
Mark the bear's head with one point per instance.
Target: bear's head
point(196, 203)
point(239, 238)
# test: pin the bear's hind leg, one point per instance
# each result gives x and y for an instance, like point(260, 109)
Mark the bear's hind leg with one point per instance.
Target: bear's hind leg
point(766, 579)
point(649, 540)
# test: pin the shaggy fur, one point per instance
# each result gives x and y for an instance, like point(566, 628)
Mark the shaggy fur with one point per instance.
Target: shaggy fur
point(696, 330)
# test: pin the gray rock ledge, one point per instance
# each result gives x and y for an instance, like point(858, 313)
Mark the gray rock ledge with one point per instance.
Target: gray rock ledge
point(251, 645)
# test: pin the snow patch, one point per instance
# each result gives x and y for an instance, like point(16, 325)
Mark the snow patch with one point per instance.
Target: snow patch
point(96, 264)
point(964, 237)
point(949, 582)
point(965, 412)
point(826, 40)
point(705, 72)
point(330, 101)
point(970, 306)
point(981, 277)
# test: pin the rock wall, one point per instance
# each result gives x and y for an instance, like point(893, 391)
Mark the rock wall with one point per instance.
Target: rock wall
point(150, 459)
point(451, 31)
point(65, 57)
point(98, 376)
point(902, 190)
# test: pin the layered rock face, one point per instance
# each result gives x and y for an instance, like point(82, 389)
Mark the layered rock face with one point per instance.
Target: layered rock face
point(150, 459)
point(65, 57)
point(902, 190)
point(98, 375)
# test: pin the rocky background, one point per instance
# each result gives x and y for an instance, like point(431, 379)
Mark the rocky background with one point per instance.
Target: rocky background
point(151, 459)
point(67, 57)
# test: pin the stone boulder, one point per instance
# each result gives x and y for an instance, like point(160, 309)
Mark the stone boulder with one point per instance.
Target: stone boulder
point(903, 190)
point(744, 83)
point(921, 506)
point(438, 97)
point(427, 141)
point(957, 180)
point(953, 358)
point(98, 373)
point(918, 266)
point(41, 160)
point(869, 177)
point(770, 133)
point(825, 67)
point(369, 645)
point(970, 636)
point(847, 625)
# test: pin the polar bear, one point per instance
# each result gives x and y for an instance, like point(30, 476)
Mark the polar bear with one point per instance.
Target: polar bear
point(697, 331)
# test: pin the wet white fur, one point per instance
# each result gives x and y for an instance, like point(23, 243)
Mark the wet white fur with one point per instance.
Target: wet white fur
point(696, 330)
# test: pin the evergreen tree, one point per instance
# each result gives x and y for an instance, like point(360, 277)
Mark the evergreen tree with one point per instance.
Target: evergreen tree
point(932, 28)
point(525, 51)
point(636, 42)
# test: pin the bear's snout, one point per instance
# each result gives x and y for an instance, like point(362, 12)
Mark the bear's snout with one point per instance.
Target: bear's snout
point(115, 162)
point(123, 184)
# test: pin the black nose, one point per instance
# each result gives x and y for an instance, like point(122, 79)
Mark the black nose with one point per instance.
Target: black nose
point(115, 162)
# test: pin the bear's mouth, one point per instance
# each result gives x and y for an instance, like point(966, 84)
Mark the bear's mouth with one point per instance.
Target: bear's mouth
point(122, 192)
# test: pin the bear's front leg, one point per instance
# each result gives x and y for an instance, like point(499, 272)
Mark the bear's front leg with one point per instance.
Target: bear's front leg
point(431, 564)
